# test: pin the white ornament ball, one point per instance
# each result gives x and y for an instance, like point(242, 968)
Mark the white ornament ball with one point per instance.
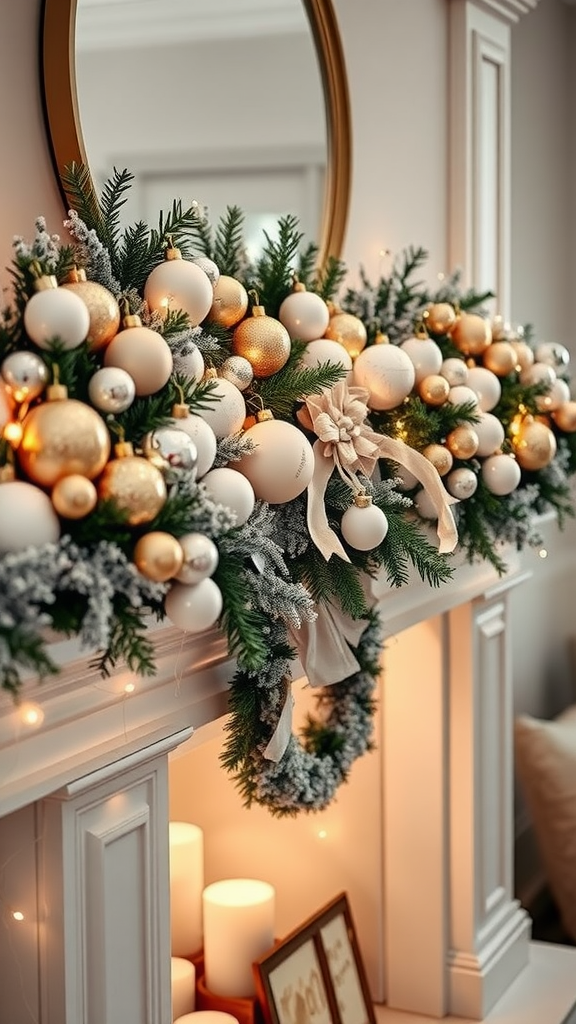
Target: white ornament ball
point(553, 354)
point(538, 373)
point(305, 315)
point(461, 394)
point(425, 354)
point(501, 474)
point(200, 558)
point(387, 373)
point(424, 505)
point(238, 371)
point(455, 371)
point(209, 267)
point(191, 364)
point(176, 285)
point(486, 385)
point(204, 439)
point(555, 397)
point(56, 314)
point(226, 415)
point(490, 434)
point(282, 463)
point(111, 389)
point(364, 528)
point(27, 517)
point(194, 608)
point(230, 488)
point(324, 350)
point(407, 479)
point(144, 354)
point(461, 483)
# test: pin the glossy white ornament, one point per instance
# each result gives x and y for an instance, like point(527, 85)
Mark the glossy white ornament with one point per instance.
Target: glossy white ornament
point(490, 434)
point(111, 389)
point(387, 373)
point(486, 385)
point(179, 285)
point(282, 463)
point(56, 314)
point(200, 558)
point(238, 371)
point(364, 527)
point(26, 375)
point(305, 315)
point(226, 416)
point(324, 350)
point(455, 371)
point(232, 489)
point(553, 354)
point(538, 373)
point(501, 474)
point(461, 394)
point(556, 396)
point(424, 505)
point(174, 447)
point(191, 364)
point(144, 354)
point(27, 517)
point(425, 354)
point(209, 267)
point(204, 439)
point(461, 483)
point(194, 608)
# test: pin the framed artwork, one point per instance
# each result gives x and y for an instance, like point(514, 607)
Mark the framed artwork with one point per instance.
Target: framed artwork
point(316, 974)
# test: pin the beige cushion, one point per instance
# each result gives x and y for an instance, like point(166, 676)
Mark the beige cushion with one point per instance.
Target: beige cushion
point(546, 766)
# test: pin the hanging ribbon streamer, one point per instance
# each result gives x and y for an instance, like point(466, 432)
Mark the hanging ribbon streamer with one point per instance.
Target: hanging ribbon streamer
point(346, 442)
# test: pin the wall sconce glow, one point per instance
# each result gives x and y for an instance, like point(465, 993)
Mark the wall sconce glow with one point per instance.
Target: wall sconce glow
point(322, 833)
point(17, 915)
point(542, 553)
point(31, 715)
point(129, 688)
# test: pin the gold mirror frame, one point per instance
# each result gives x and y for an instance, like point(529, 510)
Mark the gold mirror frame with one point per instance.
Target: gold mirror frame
point(58, 53)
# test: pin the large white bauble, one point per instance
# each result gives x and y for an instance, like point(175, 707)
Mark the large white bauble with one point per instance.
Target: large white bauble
point(455, 371)
point(364, 528)
point(554, 354)
point(226, 416)
point(324, 350)
point(556, 396)
point(190, 365)
point(204, 438)
point(111, 389)
point(200, 558)
point(210, 268)
point(180, 285)
point(486, 385)
point(144, 354)
point(56, 314)
point(230, 488)
point(501, 474)
point(27, 517)
point(461, 394)
point(538, 373)
point(425, 354)
point(461, 483)
point(387, 373)
point(282, 463)
point(194, 608)
point(305, 315)
point(490, 434)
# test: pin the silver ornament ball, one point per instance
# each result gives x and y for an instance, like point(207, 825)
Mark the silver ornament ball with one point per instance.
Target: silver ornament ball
point(171, 447)
point(25, 374)
point(111, 389)
point(238, 371)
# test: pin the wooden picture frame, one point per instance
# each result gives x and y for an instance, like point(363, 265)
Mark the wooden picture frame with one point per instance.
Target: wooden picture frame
point(316, 974)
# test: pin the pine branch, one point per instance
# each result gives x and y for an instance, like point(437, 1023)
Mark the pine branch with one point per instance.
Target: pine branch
point(243, 624)
point(229, 246)
point(406, 543)
point(281, 391)
point(274, 268)
point(128, 643)
point(83, 198)
point(27, 652)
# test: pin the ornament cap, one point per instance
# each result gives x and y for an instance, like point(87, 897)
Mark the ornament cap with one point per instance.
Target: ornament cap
point(56, 392)
point(45, 283)
point(258, 311)
point(298, 286)
point(7, 473)
point(180, 411)
point(210, 373)
point(381, 338)
point(172, 253)
point(76, 275)
point(263, 415)
point(362, 500)
point(131, 320)
point(123, 449)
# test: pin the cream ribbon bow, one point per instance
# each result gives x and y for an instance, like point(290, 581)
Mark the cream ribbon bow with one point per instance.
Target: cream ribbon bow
point(346, 442)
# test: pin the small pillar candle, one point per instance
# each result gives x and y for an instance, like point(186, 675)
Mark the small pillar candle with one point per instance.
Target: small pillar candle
point(186, 885)
point(183, 975)
point(238, 929)
point(207, 1017)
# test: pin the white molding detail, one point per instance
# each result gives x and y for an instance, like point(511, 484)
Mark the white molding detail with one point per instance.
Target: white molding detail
point(508, 10)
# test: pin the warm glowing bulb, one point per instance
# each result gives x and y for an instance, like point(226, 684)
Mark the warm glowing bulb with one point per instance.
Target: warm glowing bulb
point(129, 688)
point(441, 276)
point(322, 833)
point(17, 915)
point(13, 433)
point(543, 553)
point(31, 714)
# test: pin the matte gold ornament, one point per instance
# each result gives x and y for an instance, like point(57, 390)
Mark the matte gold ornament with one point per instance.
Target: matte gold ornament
point(440, 317)
point(74, 496)
point(434, 390)
point(103, 310)
point(348, 330)
point(500, 358)
point(440, 458)
point(534, 444)
point(471, 334)
point(565, 417)
point(263, 341)
point(135, 486)
point(229, 302)
point(462, 441)
point(158, 556)
point(61, 437)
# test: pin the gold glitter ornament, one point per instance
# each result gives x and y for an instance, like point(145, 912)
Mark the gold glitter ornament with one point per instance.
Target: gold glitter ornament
point(74, 496)
point(348, 330)
point(263, 341)
point(103, 310)
point(463, 441)
point(471, 334)
point(500, 358)
point(534, 444)
point(434, 389)
point(440, 317)
point(158, 556)
point(60, 437)
point(134, 485)
point(229, 303)
point(440, 458)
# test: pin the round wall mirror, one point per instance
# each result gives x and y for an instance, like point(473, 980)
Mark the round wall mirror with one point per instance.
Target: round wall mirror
point(226, 102)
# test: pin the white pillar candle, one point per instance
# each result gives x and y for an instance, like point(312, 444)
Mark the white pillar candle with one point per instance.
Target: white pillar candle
point(186, 885)
point(207, 1017)
point(238, 929)
point(183, 974)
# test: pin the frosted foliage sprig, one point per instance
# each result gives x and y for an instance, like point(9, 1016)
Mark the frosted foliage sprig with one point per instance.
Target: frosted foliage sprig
point(232, 449)
point(92, 254)
point(281, 599)
point(44, 247)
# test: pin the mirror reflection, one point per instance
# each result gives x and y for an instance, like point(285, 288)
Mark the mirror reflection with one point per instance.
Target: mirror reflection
point(218, 101)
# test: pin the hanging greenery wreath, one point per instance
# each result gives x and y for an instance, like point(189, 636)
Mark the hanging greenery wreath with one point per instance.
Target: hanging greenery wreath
point(189, 434)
